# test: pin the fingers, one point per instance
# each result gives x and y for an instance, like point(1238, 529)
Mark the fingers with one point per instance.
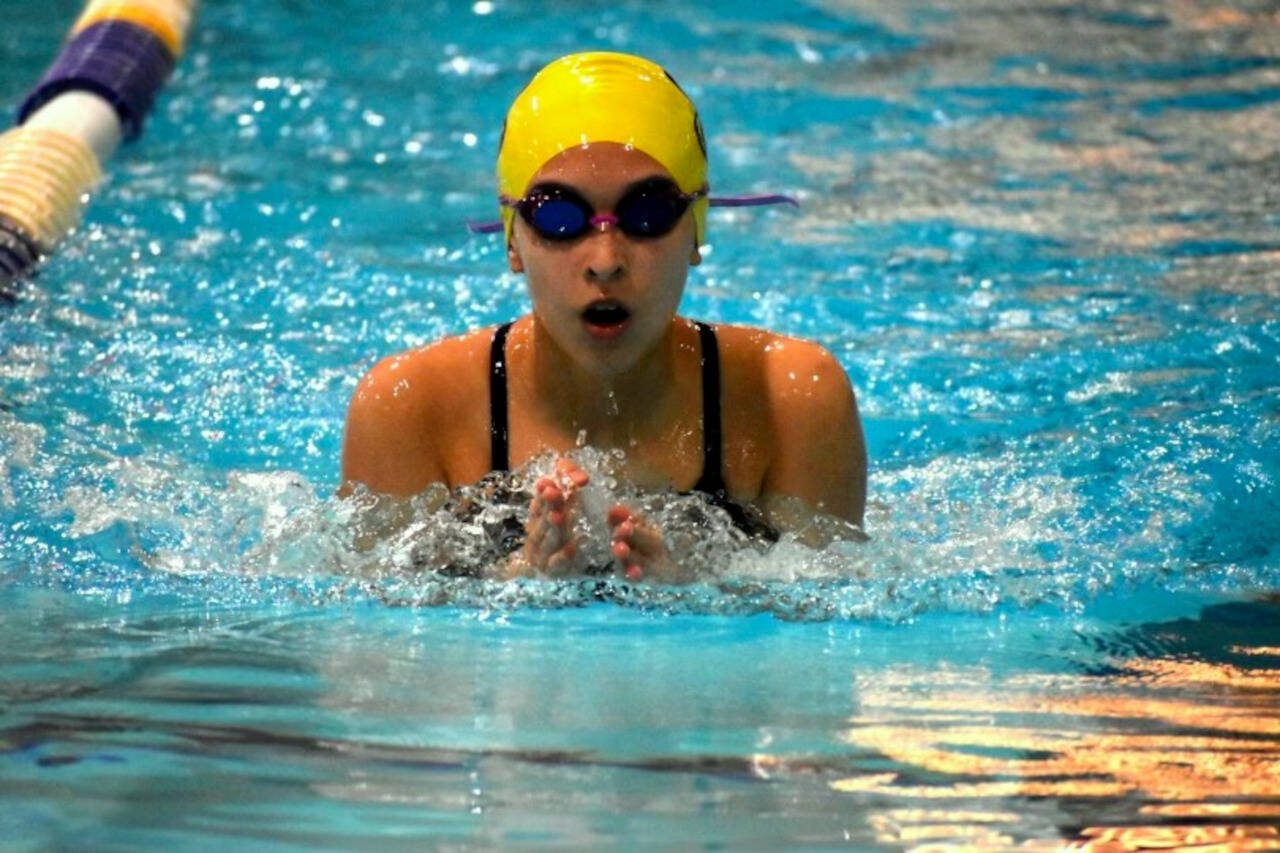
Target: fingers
point(631, 528)
point(549, 500)
point(570, 475)
point(548, 548)
point(549, 544)
point(545, 533)
point(622, 528)
point(636, 544)
point(561, 557)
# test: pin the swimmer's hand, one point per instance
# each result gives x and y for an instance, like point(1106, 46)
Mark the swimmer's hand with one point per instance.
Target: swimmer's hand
point(550, 544)
point(552, 547)
point(639, 549)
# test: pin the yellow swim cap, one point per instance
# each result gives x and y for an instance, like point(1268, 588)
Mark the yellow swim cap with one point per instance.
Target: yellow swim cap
point(602, 97)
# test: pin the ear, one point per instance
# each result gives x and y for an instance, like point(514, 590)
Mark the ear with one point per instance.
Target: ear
point(514, 263)
point(695, 258)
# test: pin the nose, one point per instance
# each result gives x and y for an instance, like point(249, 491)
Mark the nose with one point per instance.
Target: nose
point(606, 258)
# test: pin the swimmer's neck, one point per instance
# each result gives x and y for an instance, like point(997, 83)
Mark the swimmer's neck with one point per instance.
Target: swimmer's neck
point(610, 407)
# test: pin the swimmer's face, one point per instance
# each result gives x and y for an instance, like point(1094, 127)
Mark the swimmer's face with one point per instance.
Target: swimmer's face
point(605, 298)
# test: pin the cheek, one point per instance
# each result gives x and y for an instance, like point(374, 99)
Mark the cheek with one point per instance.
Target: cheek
point(537, 266)
point(667, 282)
point(544, 281)
point(668, 261)
point(675, 266)
point(544, 270)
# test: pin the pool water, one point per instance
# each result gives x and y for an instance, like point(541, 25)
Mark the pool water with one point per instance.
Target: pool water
point(1041, 238)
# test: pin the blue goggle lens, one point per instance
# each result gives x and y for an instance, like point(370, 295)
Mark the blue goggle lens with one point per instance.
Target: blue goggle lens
point(650, 214)
point(556, 217)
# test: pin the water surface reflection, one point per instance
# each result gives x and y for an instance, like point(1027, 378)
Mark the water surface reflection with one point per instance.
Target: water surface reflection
point(1138, 753)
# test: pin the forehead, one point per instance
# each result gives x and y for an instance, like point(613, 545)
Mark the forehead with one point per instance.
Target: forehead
point(601, 168)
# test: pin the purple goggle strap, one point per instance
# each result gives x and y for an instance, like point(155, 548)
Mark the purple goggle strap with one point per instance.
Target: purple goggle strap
point(494, 226)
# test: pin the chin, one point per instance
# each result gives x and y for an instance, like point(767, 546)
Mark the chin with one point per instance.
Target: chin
point(609, 360)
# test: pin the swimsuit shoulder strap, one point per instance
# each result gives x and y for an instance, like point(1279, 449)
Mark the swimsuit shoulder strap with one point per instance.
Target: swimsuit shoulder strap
point(712, 480)
point(711, 483)
point(498, 454)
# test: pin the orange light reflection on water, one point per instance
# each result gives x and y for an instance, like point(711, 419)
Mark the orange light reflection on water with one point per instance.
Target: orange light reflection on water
point(1194, 745)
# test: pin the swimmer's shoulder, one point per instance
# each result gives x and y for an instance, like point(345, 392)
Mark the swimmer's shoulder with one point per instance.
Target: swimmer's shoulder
point(786, 370)
point(412, 381)
point(410, 410)
point(806, 401)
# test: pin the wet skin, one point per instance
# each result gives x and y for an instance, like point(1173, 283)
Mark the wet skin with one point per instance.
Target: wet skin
point(604, 355)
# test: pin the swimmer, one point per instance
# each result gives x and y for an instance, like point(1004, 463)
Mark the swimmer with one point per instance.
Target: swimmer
point(602, 181)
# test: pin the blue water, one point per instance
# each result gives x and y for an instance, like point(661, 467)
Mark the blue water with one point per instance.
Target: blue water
point(1041, 239)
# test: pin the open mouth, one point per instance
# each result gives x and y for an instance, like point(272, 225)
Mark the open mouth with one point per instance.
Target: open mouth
point(606, 314)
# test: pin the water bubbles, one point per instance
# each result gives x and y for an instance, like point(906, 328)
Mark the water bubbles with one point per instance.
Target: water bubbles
point(807, 53)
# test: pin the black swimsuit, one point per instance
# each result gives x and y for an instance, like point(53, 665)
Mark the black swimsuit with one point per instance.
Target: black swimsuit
point(711, 483)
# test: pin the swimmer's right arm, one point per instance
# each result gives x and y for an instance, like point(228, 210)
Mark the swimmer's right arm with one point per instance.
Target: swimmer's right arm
point(387, 443)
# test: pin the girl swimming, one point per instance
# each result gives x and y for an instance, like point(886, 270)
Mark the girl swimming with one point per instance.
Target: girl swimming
point(603, 192)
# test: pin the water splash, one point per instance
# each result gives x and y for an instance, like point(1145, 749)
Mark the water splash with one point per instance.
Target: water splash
point(954, 533)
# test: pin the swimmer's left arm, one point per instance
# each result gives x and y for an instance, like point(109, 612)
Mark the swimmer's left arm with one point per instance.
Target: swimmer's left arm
point(820, 456)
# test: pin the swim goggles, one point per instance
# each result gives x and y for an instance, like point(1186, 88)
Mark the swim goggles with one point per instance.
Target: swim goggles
point(649, 209)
